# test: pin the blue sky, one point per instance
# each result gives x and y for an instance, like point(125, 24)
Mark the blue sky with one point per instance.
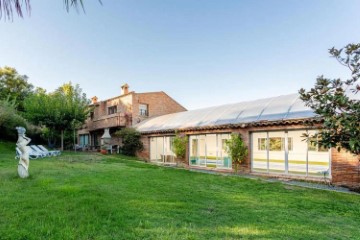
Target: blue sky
point(201, 52)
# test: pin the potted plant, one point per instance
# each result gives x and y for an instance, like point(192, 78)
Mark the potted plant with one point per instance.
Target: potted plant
point(103, 149)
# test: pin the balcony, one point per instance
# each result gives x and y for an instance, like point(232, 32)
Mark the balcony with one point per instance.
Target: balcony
point(108, 121)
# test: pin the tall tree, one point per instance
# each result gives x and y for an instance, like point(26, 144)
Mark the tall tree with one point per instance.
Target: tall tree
point(336, 102)
point(8, 7)
point(14, 86)
point(9, 119)
point(60, 110)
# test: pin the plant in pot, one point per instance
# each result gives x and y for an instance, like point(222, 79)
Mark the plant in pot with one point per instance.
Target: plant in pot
point(103, 149)
point(237, 149)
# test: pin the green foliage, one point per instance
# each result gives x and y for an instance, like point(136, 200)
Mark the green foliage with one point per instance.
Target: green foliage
point(62, 110)
point(237, 149)
point(331, 99)
point(179, 145)
point(9, 119)
point(14, 86)
point(131, 142)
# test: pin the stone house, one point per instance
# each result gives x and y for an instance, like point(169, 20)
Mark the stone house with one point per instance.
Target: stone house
point(273, 129)
point(110, 115)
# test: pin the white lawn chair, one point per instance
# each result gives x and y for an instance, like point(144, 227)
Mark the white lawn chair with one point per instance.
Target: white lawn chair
point(32, 155)
point(38, 150)
point(52, 153)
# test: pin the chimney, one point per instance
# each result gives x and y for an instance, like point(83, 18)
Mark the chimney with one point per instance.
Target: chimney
point(94, 99)
point(124, 89)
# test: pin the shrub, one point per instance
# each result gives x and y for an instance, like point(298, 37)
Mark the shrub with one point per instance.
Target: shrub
point(237, 149)
point(130, 140)
point(179, 145)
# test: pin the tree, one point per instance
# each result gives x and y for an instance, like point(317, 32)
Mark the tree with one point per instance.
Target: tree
point(237, 149)
point(131, 141)
point(334, 100)
point(7, 7)
point(14, 86)
point(61, 110)
point(9, 119)
point(179, 145)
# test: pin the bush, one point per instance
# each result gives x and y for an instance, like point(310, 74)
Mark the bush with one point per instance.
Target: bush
point(179, 145)
point(130, 141)
point(237, 149)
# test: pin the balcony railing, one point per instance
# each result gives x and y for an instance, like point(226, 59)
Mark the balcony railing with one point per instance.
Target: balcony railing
point(107, 121)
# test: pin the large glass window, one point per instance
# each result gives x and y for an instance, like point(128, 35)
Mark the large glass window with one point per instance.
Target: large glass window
point(288, 153)
point(297, 157)
point(161, 149)
point(209, 151)
point(318, 158)
point(259, 152)
point(277, 152)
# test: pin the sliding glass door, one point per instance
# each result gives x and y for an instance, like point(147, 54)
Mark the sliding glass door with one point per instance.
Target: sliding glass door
point(209, 151)
point(289, 152)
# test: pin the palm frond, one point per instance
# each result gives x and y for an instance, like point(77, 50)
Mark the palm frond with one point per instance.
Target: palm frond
point(7, 8)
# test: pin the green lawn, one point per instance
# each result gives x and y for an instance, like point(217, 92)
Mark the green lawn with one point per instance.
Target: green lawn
point(83, 196)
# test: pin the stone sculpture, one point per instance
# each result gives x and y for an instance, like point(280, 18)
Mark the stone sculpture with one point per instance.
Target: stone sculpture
point(23, 166)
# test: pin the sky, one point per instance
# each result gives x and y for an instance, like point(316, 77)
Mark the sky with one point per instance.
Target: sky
point(200, 52)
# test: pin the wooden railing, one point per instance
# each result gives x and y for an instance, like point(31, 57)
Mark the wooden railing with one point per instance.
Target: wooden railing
point(107, 121)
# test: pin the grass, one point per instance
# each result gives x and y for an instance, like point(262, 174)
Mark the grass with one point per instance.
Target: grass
point(91, 196)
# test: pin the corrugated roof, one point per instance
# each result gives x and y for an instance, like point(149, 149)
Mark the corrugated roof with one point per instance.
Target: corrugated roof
point(286, 107)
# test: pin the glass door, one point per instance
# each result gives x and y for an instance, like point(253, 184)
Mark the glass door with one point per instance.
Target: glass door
point(276, 152)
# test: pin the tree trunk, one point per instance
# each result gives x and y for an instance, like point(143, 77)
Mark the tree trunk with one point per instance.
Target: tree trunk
point(62, 140)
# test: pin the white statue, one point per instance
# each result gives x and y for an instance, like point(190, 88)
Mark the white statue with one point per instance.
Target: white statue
point(23, 166)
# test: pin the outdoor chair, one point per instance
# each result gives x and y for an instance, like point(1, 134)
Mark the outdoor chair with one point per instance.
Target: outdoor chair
point(32, 155)
point(33, 152)
point(39, 150)
point(51, 152)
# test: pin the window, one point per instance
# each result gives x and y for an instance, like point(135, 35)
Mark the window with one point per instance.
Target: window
point(261, 144)
point(172, 143)
point(112, 110)
point(91, 115)
point(143, 110)
point(314, 146)
point(84, 139)
point(194, 146)
point(278, 144)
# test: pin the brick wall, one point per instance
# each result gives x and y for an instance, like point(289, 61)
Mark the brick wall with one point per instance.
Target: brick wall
point(159, 103)
point(345, 169)
point(145, 154)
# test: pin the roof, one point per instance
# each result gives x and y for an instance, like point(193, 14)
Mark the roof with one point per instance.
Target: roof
point(281, 108)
